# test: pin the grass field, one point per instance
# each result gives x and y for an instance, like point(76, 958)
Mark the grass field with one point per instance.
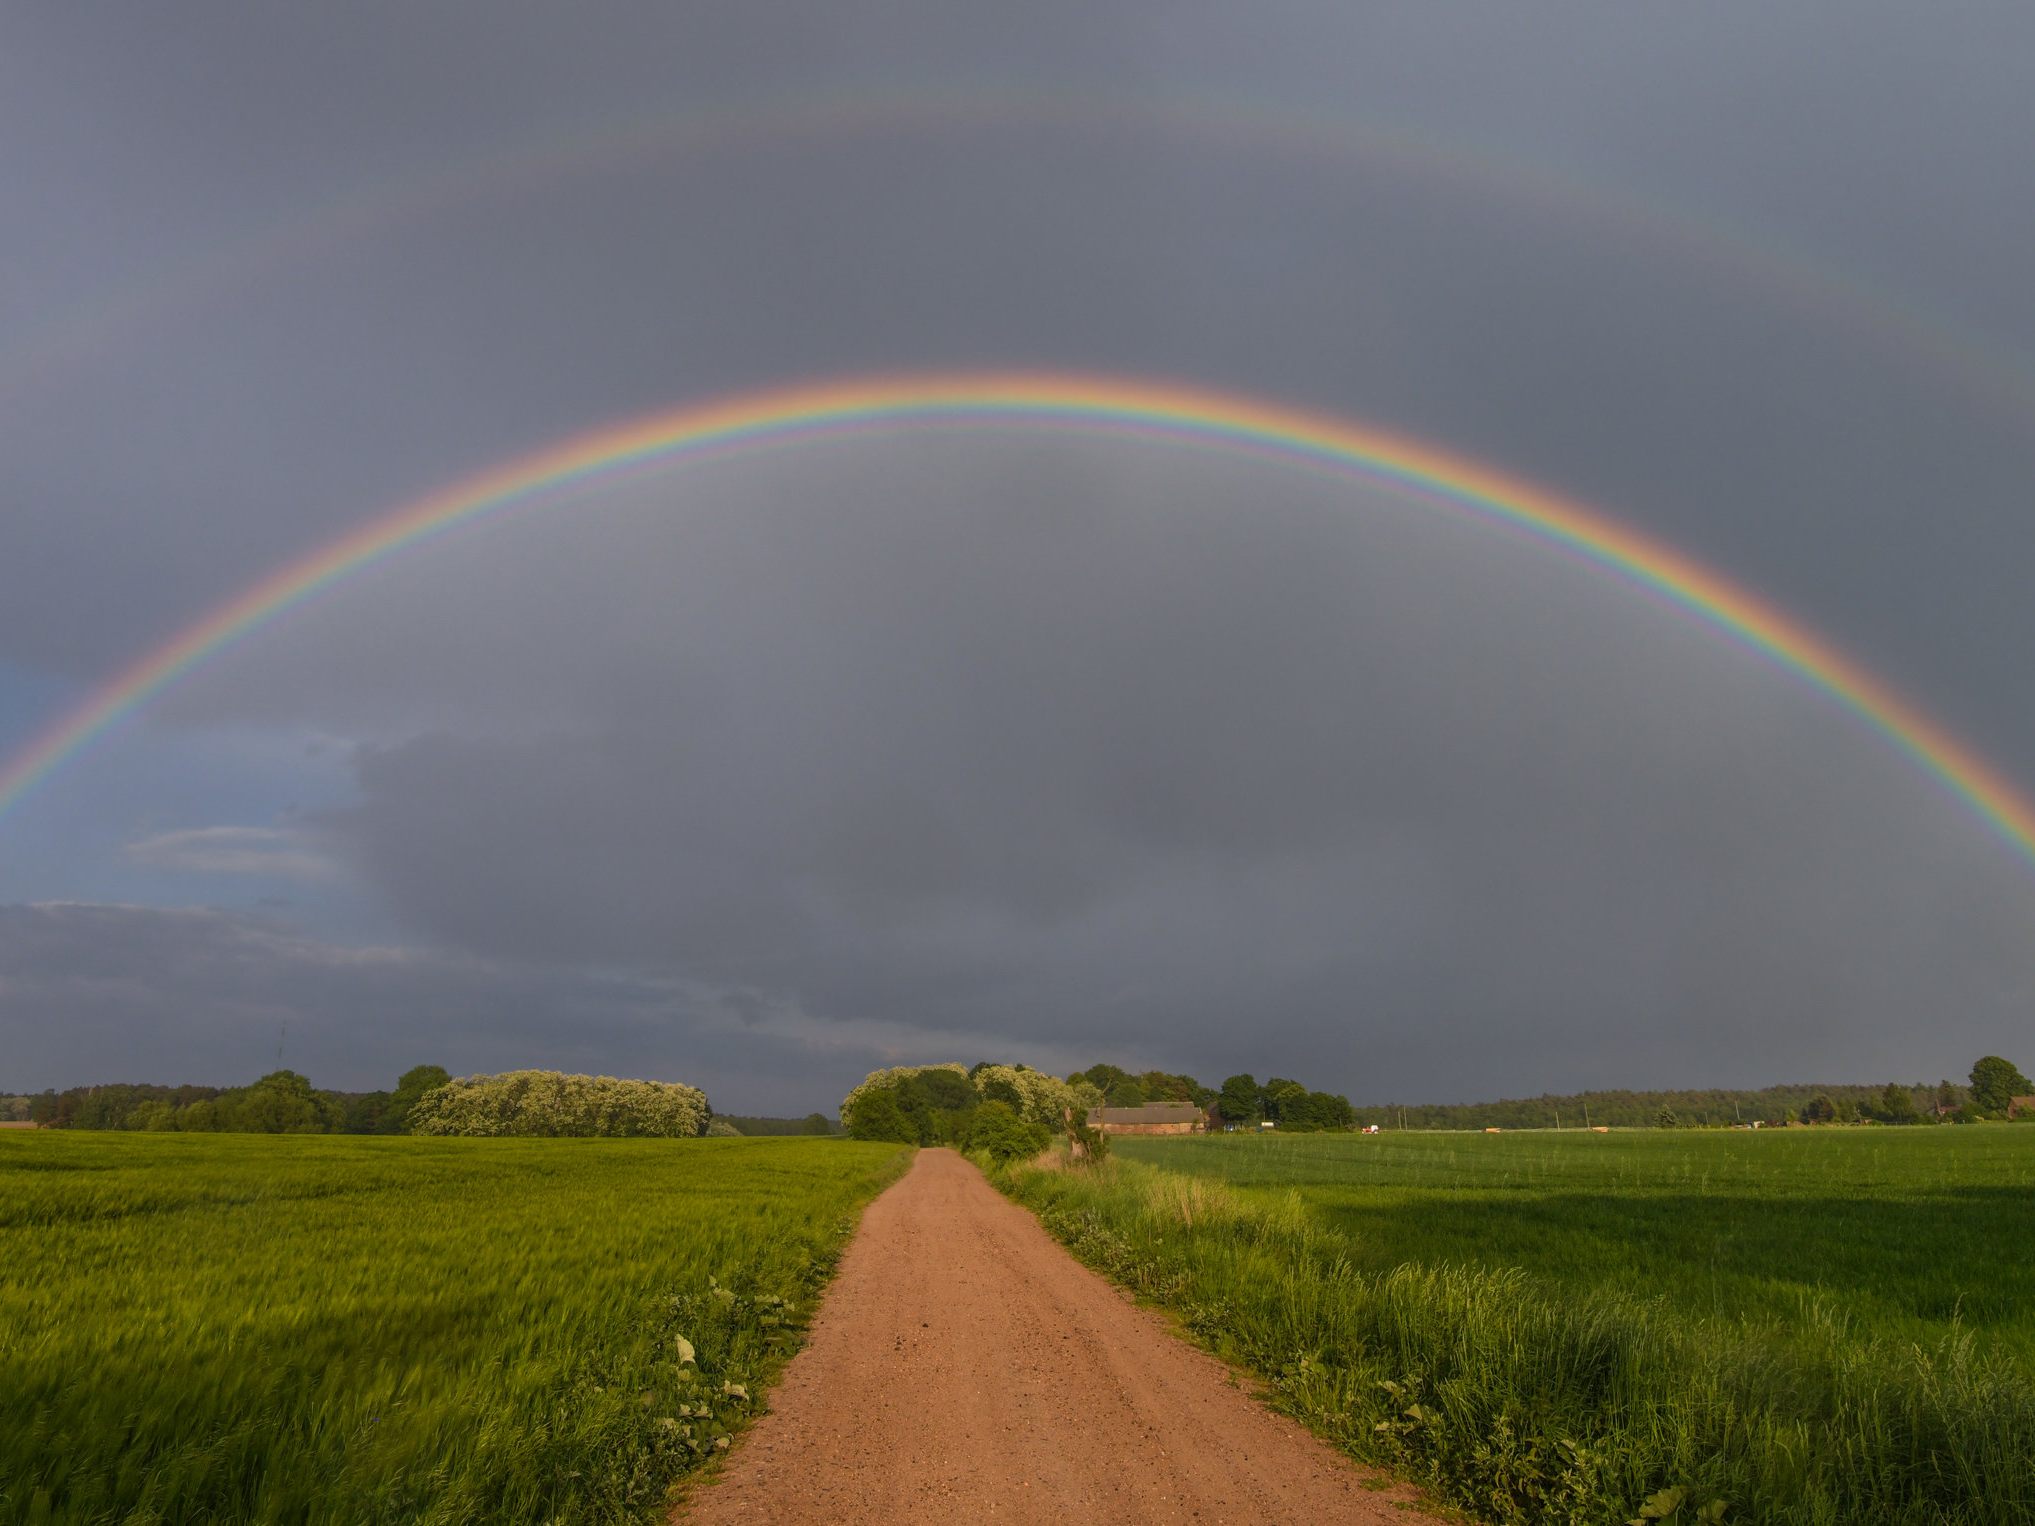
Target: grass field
point(257, 1328)
point(1821, 1326)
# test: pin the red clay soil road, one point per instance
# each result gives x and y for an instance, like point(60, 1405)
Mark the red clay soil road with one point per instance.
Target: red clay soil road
point(964, 1367)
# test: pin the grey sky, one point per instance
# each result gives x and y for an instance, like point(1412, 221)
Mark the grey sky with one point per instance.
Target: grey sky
point(760, 773)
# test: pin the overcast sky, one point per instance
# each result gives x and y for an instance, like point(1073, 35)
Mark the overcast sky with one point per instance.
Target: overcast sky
point(1015, 744)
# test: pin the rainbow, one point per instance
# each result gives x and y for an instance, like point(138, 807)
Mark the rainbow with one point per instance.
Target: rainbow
point(1092, 404)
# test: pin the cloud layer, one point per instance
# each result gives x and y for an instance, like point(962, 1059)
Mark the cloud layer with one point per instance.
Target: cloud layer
point(1031, 746)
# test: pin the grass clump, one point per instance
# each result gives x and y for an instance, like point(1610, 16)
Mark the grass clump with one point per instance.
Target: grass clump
point(232, 1328)
point(1544, 1378)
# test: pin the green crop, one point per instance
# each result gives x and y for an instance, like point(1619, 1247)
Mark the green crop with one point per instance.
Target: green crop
point(1816, 1326)
point(247, 1328)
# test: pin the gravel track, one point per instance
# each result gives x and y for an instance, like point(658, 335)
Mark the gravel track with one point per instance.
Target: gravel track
point(963, 1366)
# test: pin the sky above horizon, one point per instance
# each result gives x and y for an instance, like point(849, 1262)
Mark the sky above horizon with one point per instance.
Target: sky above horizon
point(1040, 744)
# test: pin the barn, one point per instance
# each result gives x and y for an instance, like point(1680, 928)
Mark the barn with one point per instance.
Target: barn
point(1152, 1118)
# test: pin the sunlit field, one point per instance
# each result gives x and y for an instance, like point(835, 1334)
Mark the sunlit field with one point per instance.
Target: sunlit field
point(240, 1328)
point(1809, 1325)
point(1907, 1233)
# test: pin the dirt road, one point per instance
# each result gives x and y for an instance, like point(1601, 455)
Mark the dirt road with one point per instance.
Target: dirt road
point(963, 1366)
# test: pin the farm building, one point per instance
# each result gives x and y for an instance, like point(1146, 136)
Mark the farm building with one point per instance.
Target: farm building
point(2016, 1106)
point(1152, 1118)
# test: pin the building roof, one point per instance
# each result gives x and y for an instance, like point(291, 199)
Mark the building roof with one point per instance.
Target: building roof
point(1151, 1112)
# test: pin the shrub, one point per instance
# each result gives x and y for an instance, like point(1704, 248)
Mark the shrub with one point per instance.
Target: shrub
point(549, 1103)
point(878, 1117)
point(1042, 1099)
point(1094, 1144)
point(1003, 1136)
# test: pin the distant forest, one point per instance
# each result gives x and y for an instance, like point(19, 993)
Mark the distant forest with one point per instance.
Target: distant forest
point(761, 1128)
point(286, 1102)
point(1718, 1107)
point(281, 1102)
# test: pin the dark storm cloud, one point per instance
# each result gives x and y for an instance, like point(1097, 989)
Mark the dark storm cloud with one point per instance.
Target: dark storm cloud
point(1053, 745)
point(111, 992)
point(1127, 747)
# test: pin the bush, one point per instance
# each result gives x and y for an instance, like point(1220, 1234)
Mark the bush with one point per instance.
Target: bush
point(1003, 1136)
point(551, 1104)
point(1093, 1143)
point(878, 1117)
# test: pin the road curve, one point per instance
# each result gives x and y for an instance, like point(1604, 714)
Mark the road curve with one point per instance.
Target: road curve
point(963, 1366)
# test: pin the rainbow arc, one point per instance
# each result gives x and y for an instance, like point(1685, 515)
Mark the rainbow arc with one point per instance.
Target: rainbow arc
point(1117, 406)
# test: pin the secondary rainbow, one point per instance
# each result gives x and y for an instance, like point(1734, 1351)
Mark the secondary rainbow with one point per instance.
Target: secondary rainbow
point(1092, 404)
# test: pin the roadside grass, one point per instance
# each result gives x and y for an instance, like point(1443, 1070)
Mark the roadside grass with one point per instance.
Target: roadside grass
point(1818, 1327)
point(331, 1329)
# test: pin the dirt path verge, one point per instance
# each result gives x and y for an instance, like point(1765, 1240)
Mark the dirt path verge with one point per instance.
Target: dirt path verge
point(963, 1366)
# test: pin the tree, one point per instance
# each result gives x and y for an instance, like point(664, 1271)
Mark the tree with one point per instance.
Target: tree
point(1820, 1109)
point(410, 1090)
point(948, 1090)
point(1280, 1094)
point(1127, 1093)
point(1316, 1110)
point(1946, 1098)
point(998, 1132)
point(1897, 1105)
point(366, 1113)
point(1995, 1083)
point(1001, 1089)
point(550, 1104)
point(877, 1116)
point(1665, 1118)
point(1238, 1101)
point(1101, 1077)
point(281, 1102)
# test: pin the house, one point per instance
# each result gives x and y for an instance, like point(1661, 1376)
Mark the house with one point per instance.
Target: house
point(1152, 1118)
point(2016, 1106)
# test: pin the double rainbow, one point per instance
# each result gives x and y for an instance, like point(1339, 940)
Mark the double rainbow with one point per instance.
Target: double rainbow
point(1090, 404)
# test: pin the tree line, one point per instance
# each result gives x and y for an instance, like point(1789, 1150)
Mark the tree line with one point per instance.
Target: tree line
point(426, 1100)
point(937, 1104)
point(934, 1104)
point(1994, 1084)
point(943, 1104)
point(281, 1102)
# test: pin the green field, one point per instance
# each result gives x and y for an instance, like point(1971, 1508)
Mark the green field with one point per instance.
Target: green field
point(259, 1328)
point(1831, 1325)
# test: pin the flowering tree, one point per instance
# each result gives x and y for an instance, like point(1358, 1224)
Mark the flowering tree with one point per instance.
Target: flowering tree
point(548, 1102)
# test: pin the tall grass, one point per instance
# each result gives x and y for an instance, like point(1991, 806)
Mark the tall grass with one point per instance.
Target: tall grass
point(231, 1328)
point(1548, 1374)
